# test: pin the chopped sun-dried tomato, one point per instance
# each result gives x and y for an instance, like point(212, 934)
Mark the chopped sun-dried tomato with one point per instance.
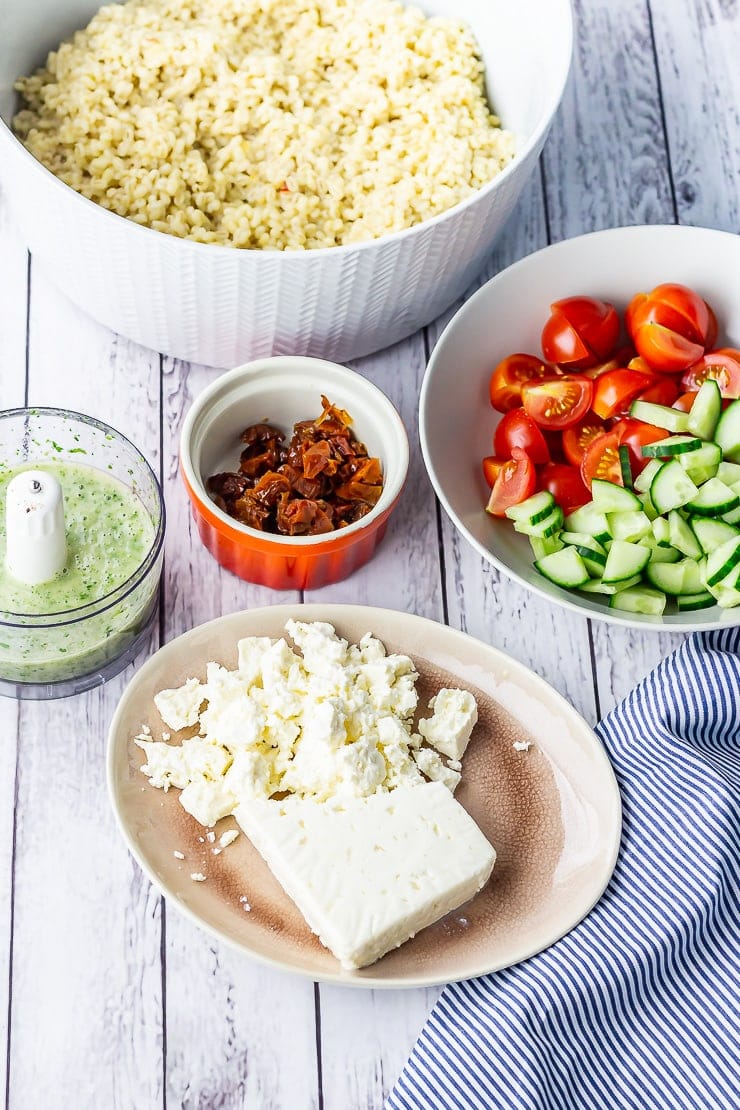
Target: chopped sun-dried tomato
point(320, 480)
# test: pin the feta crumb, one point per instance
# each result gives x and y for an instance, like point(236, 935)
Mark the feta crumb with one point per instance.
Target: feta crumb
point(216, 851)
point(522, 745)
point(210, 836)
point(430, 764)
point(450, 727)
point(198, 877)
point(228, 837)
point(179, 855)
point(179, 708)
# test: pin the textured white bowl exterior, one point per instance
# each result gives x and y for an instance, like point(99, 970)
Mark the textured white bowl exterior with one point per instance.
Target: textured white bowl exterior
point(507, 315)
point(221, 306)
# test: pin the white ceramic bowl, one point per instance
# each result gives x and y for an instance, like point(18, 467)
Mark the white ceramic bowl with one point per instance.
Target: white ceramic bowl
point(221, 306)
point(281, 391)
point(455, 416)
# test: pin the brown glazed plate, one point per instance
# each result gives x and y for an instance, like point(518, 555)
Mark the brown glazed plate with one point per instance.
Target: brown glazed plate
point(552, 812)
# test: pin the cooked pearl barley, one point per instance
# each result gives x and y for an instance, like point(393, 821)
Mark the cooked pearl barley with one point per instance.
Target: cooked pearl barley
point(279, 124)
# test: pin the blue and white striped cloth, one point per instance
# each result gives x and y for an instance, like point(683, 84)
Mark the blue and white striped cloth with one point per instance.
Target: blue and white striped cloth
point(637, 1006)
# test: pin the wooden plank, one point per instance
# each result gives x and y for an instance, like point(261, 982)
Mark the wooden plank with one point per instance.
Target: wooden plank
point(87, 928)
point(227, 1016)
point(366, 1036)
point(703, 42)
point(14, 300)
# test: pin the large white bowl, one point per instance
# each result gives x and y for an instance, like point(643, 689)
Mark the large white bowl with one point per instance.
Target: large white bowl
point(455, 416)
point(221, 306)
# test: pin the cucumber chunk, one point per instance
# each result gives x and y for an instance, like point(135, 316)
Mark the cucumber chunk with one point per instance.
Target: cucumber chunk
point(682, 536)
point(712, 533)
point(647, 507)
point(661, 554)
point(727, 433)
point(542, 546)
point(608, 497)
point(722, 561)
point(564, 568)
point(660, 416)
point(662, 531)
point(625, 466)
point(598, 586)
point(630, 526)
point(644, 479)
point(625, 560)
point(674, 445)
point(534, 509)
point(671, 487)
point(582, 539)
point(705, 411)
point(543, 528)
point(729, 472)
point(689, 602)
point(639, 599)
point(713, 499)
point(591, 520)
point(675, 578)
point(703, 463)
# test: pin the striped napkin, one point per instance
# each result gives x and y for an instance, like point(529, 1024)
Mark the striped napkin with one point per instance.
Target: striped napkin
point(637, 1006)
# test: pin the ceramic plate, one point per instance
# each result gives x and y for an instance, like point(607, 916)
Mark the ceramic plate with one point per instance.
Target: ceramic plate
point(552, 812)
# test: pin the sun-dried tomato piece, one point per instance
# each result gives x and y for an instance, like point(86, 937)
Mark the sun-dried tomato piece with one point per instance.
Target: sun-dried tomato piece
point(248, 511)
point(227, 486)
point(261, 433)
point(301, 517)
point(270, 488)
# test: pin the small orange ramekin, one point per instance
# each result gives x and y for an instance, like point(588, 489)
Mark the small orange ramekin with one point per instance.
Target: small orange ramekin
point(282, 391)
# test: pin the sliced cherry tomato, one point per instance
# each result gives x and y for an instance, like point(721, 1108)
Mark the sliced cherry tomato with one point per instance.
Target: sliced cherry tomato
point(517, 429)
point(675, 307)
point(684, 402)
point(634, 434)
point(619, 359)
point(663, 391)
point(516, 481)
point(664, 349)
point(712, 331)
point(580, 332)
point(614, 390)
point(638, 363)
point(565, 484)
point(722, 365)
point(505, 385)
point(602, 460)
point(578, 438)
point(491, 466)
point(557, 403)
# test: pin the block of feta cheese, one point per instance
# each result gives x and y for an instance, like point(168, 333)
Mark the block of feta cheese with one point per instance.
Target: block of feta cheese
point(368, 873)
point(449, 729)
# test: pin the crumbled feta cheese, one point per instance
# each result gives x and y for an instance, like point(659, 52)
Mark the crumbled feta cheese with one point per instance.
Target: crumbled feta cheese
point(522, 745)
point(179, 855)
point(430, 764)
point(198, 877)
point(228, 837)
point(449, 729)
point(179, 708)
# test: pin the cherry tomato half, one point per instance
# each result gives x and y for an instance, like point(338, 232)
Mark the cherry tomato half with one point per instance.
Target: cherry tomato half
point(491, 466)
point(580, 332)
point(722, 365)
point(505, 385)
point(517, 429)
point(577, 438)
point(634, 434)
point(557, 403)
point(663, 391)
point(614, 390)
point(685, 401)
point(565, 484)
point(675, 307)
point(602, 460)
point(619, 359)
point(664, 349)
point(516, 481)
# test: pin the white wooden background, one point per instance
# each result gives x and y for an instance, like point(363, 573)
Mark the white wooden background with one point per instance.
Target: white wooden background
point(112, 999)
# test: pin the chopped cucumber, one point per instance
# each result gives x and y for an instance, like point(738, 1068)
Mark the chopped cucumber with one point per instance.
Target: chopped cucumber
point(732, 517)
point(645, 477)
point(582, 539)
point(714, 498)
point(675, 578)
point(629, 526)
point(564, 568)
point(674, 445)
point(689, 602)
point(702, 463)
point(598, 586)
point(727, 434)
point(729, 472)
point(647, 506)
point(662, 531)
point(705, 411)
point(589, 519)
point(723, 561)
point(671, 487)
point(639, 599)
point(625, 466)
point(683, 536)
point(543, 528)
point(661, 554)
point(542, 546)
point(727, 598)
point(534, 509)
point(712, 533)
point(608, 497)
point(660, 416)
point(625, 560)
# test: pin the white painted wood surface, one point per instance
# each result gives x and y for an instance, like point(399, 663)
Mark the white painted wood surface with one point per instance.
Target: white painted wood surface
point(114, 1001)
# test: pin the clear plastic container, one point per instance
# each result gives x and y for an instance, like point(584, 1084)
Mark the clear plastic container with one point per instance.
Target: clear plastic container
point(53, 655)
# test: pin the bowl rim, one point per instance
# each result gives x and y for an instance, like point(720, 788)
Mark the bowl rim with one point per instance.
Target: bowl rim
point(531, 144)
point(729, 619)
point(309, 367)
